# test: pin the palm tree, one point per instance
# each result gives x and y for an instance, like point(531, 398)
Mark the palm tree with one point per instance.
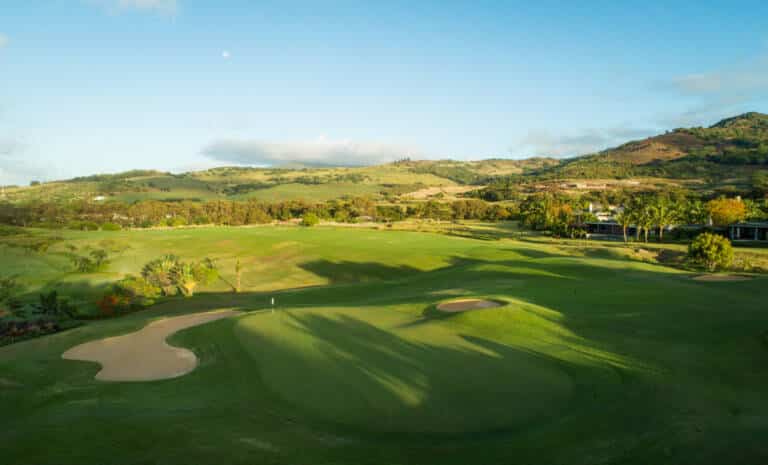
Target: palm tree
point(696, 212)
point(183, 276)
point(159, 273)
point(663, 214)
point(625, 220)
point(238, 274)
point(644, 220)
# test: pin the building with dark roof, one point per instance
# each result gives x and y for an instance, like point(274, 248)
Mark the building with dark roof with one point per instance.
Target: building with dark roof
point(748, 231)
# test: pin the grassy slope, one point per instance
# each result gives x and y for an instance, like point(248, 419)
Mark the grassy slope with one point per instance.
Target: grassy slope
point(595, 360)
point(312, 192)
point(266, 184)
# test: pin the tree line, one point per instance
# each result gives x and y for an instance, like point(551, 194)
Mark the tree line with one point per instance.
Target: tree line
point(644, 214)
point(85, 215)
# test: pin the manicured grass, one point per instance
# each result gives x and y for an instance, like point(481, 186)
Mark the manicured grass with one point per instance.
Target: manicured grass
point(595, 358)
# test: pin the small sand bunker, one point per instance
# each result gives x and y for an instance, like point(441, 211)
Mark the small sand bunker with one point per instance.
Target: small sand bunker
point(144, 355)
point(721, 277)
point(466, 305)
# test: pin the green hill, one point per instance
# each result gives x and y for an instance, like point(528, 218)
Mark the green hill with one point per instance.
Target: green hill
point(277, 184)
point(739, 140)
point(731, 155)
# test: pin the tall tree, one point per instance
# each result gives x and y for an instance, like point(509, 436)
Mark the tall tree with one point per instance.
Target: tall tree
point(663, 213)
point(625, 219)
point(727, 211)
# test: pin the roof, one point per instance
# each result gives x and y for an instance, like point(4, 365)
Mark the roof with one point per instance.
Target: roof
point(752, 224)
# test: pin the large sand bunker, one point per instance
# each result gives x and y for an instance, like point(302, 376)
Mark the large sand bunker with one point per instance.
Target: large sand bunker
point(467, 304)
point(144, 355)
point(721, 277)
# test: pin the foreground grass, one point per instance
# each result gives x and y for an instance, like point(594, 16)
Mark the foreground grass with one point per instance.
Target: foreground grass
point(595, 358)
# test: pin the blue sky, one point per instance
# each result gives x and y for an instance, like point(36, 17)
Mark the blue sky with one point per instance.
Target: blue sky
point(92, 86)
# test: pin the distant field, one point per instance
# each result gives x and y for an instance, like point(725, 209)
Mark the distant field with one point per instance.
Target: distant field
point(596, 357)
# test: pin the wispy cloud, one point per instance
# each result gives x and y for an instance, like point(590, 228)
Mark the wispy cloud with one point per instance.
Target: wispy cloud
point(720, 93)
point(168, 7)
point(319, 152)
point(3, 40)
point(744, 80)
point(545, 144)
point(14, 167)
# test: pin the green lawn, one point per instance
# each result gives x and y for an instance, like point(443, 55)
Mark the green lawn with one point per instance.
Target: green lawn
point(595, 359)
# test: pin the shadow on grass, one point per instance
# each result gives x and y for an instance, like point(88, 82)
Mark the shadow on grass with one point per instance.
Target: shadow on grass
point(353, 272)
point(359, 371)
point(612, 321)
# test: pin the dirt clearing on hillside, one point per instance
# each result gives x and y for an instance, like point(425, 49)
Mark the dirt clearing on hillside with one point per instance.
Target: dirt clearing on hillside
point(144, 355)
point(467, 304)
point(448, 192)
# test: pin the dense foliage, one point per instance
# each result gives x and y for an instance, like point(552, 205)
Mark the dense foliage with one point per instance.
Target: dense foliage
point(111, 216)
point(711, 250)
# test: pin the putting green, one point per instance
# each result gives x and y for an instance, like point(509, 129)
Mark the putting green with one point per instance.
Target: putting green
point(387, 371)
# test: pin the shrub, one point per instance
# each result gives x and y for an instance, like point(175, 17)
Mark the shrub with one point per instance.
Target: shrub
point(176, 222)
point(51, 304)
point(158, 273)
point(711, 250)
point(9, 290)
point(111, 227)
point(88, 226)
point(170, 275)
point(82, 264)
point(309, 220)
point(136, 291)
point(96, 259)
point(205, 271)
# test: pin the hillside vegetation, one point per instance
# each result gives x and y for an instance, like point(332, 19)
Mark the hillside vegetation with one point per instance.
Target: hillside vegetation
point(730, 156)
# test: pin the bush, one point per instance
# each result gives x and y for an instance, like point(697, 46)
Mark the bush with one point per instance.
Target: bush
point(170, 275)
point(111, 227)
point(9, 290)
point(87, 226)
point(309, 220)
point(111, 303)
point(53, 305)
point(176, 222)
point(137, 291)
point(82, 264)
point(95, 261)
point(711, 250)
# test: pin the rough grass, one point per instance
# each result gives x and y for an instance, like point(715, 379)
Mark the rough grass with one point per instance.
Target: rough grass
point(596, 359)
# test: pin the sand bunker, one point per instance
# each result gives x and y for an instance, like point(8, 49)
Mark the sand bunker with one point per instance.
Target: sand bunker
point(467, 304)
point(144, 355)
point(721, 277)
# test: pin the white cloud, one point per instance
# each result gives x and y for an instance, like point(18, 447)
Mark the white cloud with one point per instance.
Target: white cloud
point(743, 80)
point(721, 93)
point(169, 7)
point(3, 40)
point(14, 168)
point(542, 143)
point(318, 153)
point(225, 54)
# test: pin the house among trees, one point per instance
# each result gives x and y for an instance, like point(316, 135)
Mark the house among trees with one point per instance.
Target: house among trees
point(750, 231)
point(610, 228)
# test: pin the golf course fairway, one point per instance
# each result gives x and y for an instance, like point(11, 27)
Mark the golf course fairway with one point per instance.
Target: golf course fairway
point(590, 358)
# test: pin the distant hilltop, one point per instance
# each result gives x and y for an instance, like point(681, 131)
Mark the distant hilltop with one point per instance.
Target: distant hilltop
point(730, 156)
